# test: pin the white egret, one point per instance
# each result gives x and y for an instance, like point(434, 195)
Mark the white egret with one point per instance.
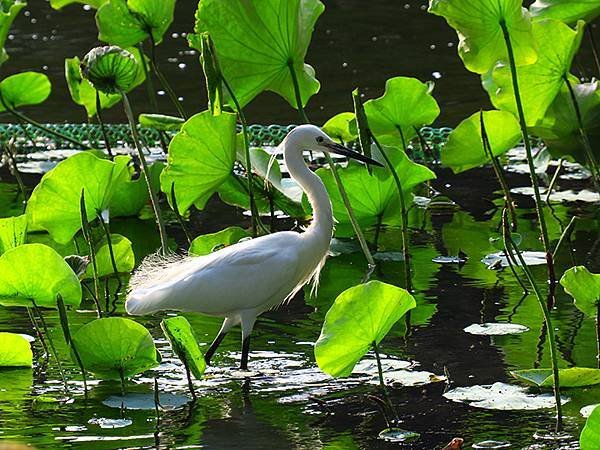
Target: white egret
point(242, 281)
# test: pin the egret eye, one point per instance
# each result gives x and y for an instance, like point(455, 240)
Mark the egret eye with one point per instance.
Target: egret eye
point(320, 139)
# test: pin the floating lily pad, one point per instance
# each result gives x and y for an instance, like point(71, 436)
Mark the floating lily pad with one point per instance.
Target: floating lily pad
point(571, 377)
point(207, 243)
point(491, 444)
point(501, 396)
point(110, 424)
point(180, 334)
point(15, 351)
point(359, 317)
point(115, 347)
point(13, 232)
point(410, 378)
point(168, 401)
point(37, 273)
point(369, 366)
point(584, 287)
point(495, 329)
point(398, 435)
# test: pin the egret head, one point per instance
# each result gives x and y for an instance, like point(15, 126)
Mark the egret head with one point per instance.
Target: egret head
point(310, 137)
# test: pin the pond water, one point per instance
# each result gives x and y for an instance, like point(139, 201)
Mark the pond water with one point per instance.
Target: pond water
point(285, 401)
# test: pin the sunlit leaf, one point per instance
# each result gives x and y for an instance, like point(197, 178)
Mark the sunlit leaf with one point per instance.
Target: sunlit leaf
point(13, 232)
point(9, 9)
point(184, 343)
point(568, 11)
point(111, 69)
point(359, 317)
point(464, 148)
point(406, 103)
point(161, 122)
point(15, 351)
point(59, 4)
point(36, 273)
point(123, 253)
point(571, 377)
point(590, 435)
point(54, 203)
point(481, 41)
point(258, 40)
point(539, 83)
point(113, 347)
point(24, 89)
point(342, 127)
point(201, 158)
point(584, 287)
point(127, 23)
point(207, 243)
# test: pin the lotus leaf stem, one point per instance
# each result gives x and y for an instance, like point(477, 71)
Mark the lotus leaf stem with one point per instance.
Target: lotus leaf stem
point(590, 34)
point(52, 347)
point(382, 385)
point(163, 80)
point(87, 234)
point(554, 179)
point(111, 251)
point(64, 323)
point(102, 127)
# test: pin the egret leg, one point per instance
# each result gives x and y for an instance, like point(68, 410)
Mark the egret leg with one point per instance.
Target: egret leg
point(248, 319)
point(227, 324)
point(245, 351)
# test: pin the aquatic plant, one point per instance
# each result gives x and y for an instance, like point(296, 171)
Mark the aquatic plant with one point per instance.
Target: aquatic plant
point(569, 378)
point(590, 435)
point(114, 259)
point(569, 11)
point(9, 10)
point(208, 243)
point(59, 4)
point(13, 232)
point(15, 351)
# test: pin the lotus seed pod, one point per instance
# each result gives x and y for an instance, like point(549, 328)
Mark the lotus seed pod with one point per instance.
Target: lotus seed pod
point(110, 69)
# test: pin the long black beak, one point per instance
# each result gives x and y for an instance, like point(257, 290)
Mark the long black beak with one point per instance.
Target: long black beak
point(345, 151)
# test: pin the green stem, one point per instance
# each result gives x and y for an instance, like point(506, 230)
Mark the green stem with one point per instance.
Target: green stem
point(553, 180)
point(584, 137)
point(188, 375)
point(163, 81)
point(87, 234)
point(512, 263)
point(178, 214)
point(590, 34)
point(357, 230)
point(146, 172)
point(64, 323)
point(529, 154)
point(111, 252)
point(254, 216)
point(102, 127)
point(382, 385)
point(39, 333)
point(548, 323)
point(149, 83)
point(565, 236)
point(403, 212)
point(52, 347)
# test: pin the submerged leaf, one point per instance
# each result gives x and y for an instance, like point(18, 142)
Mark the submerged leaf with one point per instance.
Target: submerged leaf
point(259, 42)
point(24, 89)
point(360, 317)
point(115, 347)
point(568, 11)
point(464, 148)
point(15, 351)
point(13, 232)
point(539, 83)
point(571, 377)
point(201, 158)
point(584, 287)
point(37, 273)
point(407, 103)
point(207, 243)
point(184, 343)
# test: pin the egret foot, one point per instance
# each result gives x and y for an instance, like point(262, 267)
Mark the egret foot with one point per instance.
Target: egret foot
point(213, 347)
point(245, 351)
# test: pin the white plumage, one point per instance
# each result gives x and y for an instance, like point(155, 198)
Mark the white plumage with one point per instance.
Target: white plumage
point(242, 281)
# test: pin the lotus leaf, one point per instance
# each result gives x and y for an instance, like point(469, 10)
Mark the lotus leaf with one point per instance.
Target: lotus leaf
point(568, 11)
point(59, 4)
point(8, 13)
point(464, 148)
point(259, 42)
point(571, 377)
point(201, 158)
point(15, 351)
point(13, 232)
point(207, 243)
point(115, 347)
point(481, 41)
point(342, 127)
point(161, 122)
point(54, 203)
point(359, 317)
point(110, 69)
point(36, 273)
point(123, 252)
point(590, 435)
point(181, 336)
point(539, 83)
point(584, 287)
point(24, 89)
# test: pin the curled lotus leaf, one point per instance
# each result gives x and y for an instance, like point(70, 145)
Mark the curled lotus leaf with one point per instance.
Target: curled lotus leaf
point(110, 69)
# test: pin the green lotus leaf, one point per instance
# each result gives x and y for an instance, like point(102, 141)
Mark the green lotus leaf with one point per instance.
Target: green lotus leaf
point(259, 42)
point(115, 347)
point(36, 273)
point(464, 148)
point(161, 122)
point(342, 127)
point(184, 343)
point(59, 4)
point(131, 195)
point(24, 89)
point(15, 351)
point(207, 243)
point(201, 158)
point(359, 317)
point(124, 257)
point(559, 128)
point(9, 9)
point(127, 23)
point(374, 198)
point(481, 41)
point(54, 203)
point(13, 232)
point(571, 377)
point(590, 435)
point(539, 83)
point(110, 69)
point(568, 11)
point(406, 103)
point(584, 287)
